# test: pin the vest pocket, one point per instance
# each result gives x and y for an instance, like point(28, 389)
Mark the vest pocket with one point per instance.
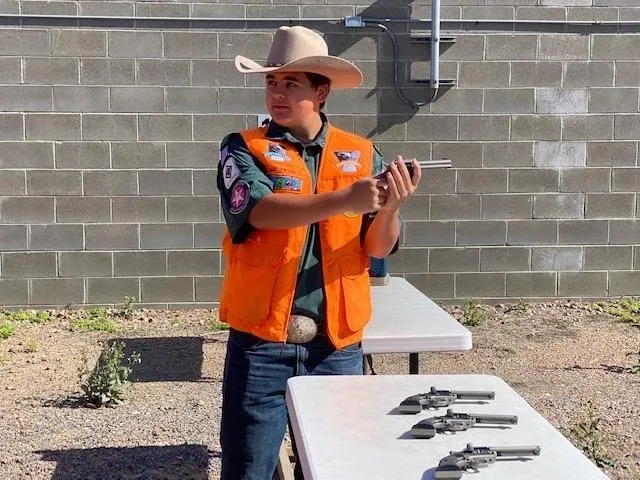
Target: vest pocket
point(251, 280)
point(356, 290)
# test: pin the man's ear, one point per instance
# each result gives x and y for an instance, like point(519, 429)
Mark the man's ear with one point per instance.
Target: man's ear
point(323, 92)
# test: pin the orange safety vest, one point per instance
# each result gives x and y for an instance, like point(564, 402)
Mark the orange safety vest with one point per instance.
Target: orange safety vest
point(261, 272)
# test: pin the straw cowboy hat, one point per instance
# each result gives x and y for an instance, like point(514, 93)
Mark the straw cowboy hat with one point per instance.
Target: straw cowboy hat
point(299, 49)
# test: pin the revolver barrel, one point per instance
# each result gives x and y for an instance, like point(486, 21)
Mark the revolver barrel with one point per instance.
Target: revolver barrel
point(465, 394)
point(529, 451)
point(495, 419)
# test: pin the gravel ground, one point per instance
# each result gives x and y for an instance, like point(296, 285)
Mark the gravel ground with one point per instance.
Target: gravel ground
point(556, 355)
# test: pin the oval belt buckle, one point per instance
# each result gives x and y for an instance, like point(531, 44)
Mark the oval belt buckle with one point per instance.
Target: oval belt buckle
point(301, 329)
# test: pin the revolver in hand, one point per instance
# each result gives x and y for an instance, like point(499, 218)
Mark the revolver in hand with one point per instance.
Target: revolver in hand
point(455, 422)
point(471, 458)
point(435, 398)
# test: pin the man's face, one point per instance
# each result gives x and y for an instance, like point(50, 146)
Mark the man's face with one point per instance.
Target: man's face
point(291, 99)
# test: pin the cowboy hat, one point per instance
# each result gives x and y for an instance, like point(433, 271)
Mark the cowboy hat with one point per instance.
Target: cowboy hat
point(299, 49)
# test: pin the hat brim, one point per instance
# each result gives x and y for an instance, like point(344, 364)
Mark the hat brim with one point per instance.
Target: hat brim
point(342, 73)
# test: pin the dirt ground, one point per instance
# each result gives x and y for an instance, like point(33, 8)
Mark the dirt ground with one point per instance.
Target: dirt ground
point(557, 355)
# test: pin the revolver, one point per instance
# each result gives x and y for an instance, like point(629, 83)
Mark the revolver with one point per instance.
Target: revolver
point(471, 458)
point(435, 398)
point(455, 422)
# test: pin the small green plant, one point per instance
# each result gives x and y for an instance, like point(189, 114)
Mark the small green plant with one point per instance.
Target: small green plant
point(32, 345)
point(105, 385)
point(175, 319)
point(635, 367)
point(4, 360)
point(627, 309)
point(97, 319)
point(7, 329)
point(587, 435)
point(218, 326)
point(127, 309)
point(31, 316)
point(473, 313)
point(521, 306)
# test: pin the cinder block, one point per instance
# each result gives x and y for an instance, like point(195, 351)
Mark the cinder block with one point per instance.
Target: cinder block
point(484, 75)
point(83, 209)
point(536, 74)
point(434, 285)
point(166, 236)
point(432, 127)
point(216, 127)
point(532, 232)
point(416, 207)
point(134, 44)
point(10, 70)
point(588, 74)
point(504, 259)
point(626, 180)
point(349, 101)
point(356, 46)
point(468, 47)
point(368, 125)
point(518, 100)
point(109, 127)
point(219, 73)
point(216, 10)
point(583, 232)
point(50, 8)
point(23, 41)
point(627, 74)
point(289, 11)
point(462, 155)
point(139, 264)
point(509, 47)
point(191, 99)
point(480, 285)
point(14, 292)
point(556, 258)
point(193, 209)
point(78, 43)
point(560, 154)
point(459, 101)
point(28, 265)
point(585, 179)
point(592, 127)
point(455, 207)
point(165, 127)
point(110, 182)
point(165, 182)
point(57, 291)
point(194, 155)
point(11, 124)
point(409, 260)
point(563, 47)
point(485, 232)
point(209, 235)
point(208, 288)
point(429, 234)
point(80, 99)
point(107, 71)
point(111, 290)
point(483, 180)
point(12, 182)
point(162, 72)
point(536, 127)
point(137, 99)
point(138, 209)
point(533, 180)
point(204, 182)
point(615, 100)
point(84, 264)
point(531, 285)
point(75, 155)
point(13, 237)
point(509, 154)
point(484, 127)
point(203, 44)
point(193, 262)
point(608, 258)
point(488, 13)
point(623, 283)
point(506, 207)
point(111, 237)
point(611, 154)
point(624, 232)
point(51, 71)
point(25, 98)
point(537, 13)
point(163, 10)
point(582, 11)
point(610, 205)
point(56, 237)
point(128, 155)
point(106, 8)
point(620, 47)
point(582, 284)
point(558, 205)
point(56, 126)
point(454, 259)
point(23, 210)
point(175, 289)
point(626, 127)
point(562, 100)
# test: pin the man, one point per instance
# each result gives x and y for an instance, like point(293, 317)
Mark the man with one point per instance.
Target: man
point(304, 214)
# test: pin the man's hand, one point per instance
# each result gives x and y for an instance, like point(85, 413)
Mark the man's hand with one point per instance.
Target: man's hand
point(365, 195)
point(398, 185)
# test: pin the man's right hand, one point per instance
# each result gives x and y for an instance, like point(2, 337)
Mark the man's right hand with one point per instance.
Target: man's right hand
point(366, 195)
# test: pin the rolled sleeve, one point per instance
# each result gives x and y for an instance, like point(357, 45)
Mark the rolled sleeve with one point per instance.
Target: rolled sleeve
point(242, 182)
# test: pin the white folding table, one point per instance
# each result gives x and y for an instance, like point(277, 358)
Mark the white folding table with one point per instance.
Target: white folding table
point(348, 428)
point(405, 320)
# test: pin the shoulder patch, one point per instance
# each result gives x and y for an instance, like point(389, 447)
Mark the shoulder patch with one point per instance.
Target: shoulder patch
point(230, 171)
point(239, 197)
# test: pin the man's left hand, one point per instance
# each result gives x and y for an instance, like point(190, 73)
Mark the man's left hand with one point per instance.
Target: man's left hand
point(398, 184)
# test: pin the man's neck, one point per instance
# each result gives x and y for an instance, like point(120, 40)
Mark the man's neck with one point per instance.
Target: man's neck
point(309, 131)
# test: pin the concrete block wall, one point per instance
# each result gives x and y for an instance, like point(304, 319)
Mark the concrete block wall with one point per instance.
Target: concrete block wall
point(111, 114)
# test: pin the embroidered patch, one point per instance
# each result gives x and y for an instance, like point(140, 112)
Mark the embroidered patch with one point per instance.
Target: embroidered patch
point(349, 167)
point(223, 154)
point(277, 153)
point(230, 172)
point(239, 197)
point(286, 183)
point(346, 156)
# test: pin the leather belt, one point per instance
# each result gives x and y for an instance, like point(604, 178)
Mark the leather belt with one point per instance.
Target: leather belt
point(301, 329)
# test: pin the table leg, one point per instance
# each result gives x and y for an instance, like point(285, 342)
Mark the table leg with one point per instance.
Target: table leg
point(413, 364)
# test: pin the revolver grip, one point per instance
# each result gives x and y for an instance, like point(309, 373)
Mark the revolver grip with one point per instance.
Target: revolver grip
point(427, 428)
point(412, 404)
point(449, 469)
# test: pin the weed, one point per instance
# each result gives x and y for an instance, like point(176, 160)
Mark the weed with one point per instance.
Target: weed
point(587, 434)
point(635, 367)
point(31, 316)
point(473, 313)
point(218, 326)
point(105, 385)
point(176, 320)
point(521, 306)
point(627, 309)
point(510, 349)
point(97, 319)
point(7, 329)
point(127, 309)
point(32, 345)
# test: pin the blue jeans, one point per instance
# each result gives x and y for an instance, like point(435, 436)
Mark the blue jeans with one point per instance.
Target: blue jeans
point(254, 414)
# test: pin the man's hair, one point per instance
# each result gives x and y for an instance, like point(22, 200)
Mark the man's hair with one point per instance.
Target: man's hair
point(318, 80)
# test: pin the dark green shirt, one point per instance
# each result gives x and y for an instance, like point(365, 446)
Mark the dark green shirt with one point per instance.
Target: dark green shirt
point(243, 181)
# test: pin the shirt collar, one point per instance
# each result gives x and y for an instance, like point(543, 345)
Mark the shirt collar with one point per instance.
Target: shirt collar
point(278, 132)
